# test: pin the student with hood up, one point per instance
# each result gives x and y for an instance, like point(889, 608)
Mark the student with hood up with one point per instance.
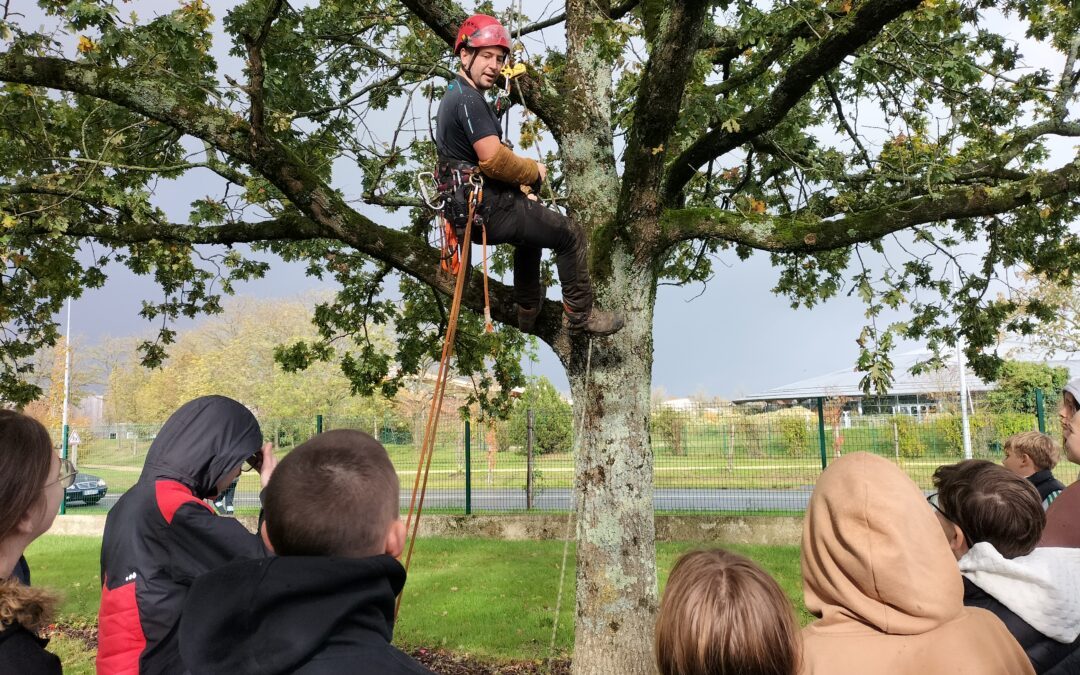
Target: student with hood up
point(885, 586)
point(160, 535)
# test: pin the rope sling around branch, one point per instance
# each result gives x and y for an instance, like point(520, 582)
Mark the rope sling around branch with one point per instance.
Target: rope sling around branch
point(427, 448)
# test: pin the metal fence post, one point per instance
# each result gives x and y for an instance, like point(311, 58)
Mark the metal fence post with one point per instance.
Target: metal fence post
point(318, 424)
point(821, 431)
point(64, 455)
point(529, 460)
point(468, 468)
point(1040, 409)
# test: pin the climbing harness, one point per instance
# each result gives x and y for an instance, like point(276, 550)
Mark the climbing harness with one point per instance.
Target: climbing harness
point(455, 194)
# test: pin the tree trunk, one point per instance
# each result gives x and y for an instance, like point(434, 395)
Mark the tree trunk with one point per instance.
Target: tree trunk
point(616, 556)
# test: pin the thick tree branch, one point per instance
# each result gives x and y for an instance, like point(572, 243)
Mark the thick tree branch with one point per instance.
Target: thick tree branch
point(231, 135)
point(394, 201)
point(724, 42)
point(803, 232)
point(1069, 79)
point(148, 96)
point(287, 227)
point(257, 69)
point(854, 31)
point(780, 46)
point(617, 12)
point(657, 108)
point(1020, 140)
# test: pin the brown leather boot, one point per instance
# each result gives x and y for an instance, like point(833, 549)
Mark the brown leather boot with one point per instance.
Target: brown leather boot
point(594, 322)
point(527, 317)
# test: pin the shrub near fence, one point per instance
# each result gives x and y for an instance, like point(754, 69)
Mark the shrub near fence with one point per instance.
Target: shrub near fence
point(709, 458)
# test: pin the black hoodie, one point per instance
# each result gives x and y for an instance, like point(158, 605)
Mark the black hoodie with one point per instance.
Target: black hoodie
point(160, 535)
point(307, 615)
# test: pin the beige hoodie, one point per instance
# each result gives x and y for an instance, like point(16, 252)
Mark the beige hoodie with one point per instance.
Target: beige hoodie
point(878, 571)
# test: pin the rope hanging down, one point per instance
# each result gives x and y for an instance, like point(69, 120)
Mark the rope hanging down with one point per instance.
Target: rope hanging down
point(416, 502)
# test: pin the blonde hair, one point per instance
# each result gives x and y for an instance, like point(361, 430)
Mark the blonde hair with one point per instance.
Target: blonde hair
point(723, 615)
point(1038, 446)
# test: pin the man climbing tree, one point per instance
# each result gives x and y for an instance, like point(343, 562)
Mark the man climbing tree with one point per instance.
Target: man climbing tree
point(469, 138)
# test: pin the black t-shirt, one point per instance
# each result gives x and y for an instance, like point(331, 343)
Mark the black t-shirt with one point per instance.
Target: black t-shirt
point(464, 117)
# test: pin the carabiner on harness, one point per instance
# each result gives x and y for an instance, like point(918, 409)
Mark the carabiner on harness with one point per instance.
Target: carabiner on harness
point(429, 187)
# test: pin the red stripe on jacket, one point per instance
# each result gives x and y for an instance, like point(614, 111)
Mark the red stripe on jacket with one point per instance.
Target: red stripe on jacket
point(120, 635)
point(171, 495)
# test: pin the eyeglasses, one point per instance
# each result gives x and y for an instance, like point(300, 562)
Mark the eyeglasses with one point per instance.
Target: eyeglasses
point(932, 500)
point(67, 474)
point(253, 463)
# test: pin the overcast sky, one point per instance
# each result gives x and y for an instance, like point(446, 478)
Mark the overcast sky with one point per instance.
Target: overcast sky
point(733, 337)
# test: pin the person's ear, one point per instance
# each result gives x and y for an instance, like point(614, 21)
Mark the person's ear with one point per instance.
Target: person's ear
point(25, 526)
point(265, 537)
point(1027, 464)
point(957, 540)
point(31, 519)
point(395, 538)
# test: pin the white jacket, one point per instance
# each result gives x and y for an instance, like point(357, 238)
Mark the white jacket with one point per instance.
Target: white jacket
point(1042, 588)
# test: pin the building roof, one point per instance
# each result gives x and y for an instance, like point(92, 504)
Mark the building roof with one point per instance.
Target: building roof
point(846, 382)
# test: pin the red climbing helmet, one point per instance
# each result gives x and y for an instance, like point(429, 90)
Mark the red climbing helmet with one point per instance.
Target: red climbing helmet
point(481, 30)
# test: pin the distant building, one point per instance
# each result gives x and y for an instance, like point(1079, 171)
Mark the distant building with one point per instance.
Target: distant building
point(692, 404)
point(909, 394)
point(679, 404)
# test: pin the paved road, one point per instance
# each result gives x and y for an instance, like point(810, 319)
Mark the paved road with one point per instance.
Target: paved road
point(561, 499)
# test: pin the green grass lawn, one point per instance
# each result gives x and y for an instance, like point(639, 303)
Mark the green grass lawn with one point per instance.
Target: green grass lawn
point(459, 595)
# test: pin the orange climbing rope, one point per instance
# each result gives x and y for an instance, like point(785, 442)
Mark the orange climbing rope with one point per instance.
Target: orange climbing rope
point(461, 265)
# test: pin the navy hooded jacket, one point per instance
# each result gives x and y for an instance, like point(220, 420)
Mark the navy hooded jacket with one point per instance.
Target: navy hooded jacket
point(160, 535)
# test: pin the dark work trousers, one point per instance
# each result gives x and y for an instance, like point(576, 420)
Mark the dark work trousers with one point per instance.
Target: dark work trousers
point(512, 218)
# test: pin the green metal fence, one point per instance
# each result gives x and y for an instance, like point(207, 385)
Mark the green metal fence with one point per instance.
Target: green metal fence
point(758, 459)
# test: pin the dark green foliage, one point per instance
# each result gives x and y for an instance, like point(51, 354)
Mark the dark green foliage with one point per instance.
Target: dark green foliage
point(553, 426)
point(796, 434)
point(82, 168)
point(909, 436)
point(1017, 382)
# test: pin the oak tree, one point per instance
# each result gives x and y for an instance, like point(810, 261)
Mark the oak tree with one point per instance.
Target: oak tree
point(866, 146)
